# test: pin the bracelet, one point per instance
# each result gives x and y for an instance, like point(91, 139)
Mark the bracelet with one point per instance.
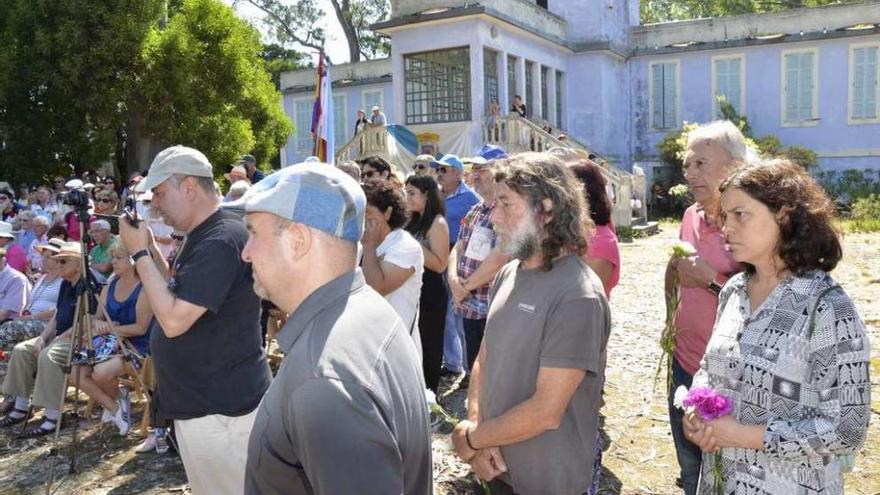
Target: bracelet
point(467, 439)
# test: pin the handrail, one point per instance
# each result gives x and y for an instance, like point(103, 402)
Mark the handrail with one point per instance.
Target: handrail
point(371, 141)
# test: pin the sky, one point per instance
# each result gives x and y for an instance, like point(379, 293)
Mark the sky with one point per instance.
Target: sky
point(337, 48)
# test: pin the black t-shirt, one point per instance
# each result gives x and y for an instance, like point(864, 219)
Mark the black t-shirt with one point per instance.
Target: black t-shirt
point(65, 307)
point(217, 366)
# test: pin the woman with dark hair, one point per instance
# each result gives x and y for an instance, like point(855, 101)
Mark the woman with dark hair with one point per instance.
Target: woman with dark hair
point(374, 167)
point(603, 255)
point(788, 348)
point(427, 224)
point(392, 262)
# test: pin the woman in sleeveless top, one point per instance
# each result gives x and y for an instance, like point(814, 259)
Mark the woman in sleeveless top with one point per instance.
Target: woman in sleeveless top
point(130, 315)
point(427, 224)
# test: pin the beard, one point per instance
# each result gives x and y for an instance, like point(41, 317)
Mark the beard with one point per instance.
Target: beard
point(524, 241)
point(259, 289)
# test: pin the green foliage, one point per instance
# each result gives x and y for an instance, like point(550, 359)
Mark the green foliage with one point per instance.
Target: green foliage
point(674, 10)
point(68, 71)
point(865, 215)
point(278, 59)
point(673, 146)
point(204, 85)
point(849, 185)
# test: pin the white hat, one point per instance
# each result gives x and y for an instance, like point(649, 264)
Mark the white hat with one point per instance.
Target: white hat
point(175, 160)
point(6, 230)
point(375, 108)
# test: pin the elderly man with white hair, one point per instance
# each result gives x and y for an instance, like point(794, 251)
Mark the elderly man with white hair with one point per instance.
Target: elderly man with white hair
point(99, 256)
point(713, 151)
point(40, 229)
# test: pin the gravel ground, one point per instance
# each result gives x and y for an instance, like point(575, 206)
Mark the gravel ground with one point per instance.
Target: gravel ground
point(638, 460)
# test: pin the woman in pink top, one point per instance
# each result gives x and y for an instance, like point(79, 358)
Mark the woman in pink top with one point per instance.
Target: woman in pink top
point(602, 255)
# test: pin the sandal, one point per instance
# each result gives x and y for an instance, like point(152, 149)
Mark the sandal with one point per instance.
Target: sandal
point(10, 420)
point(39, 431)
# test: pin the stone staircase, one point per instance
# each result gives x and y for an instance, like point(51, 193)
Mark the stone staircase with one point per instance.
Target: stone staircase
point(516, 135)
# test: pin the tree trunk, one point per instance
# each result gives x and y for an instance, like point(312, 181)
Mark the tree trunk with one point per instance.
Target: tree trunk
point(343, 14)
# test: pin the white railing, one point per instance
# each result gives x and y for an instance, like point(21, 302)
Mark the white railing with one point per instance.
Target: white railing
point(516, 135)
point(371, 141)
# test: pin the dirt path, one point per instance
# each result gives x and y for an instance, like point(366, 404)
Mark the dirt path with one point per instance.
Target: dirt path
point(639, 460)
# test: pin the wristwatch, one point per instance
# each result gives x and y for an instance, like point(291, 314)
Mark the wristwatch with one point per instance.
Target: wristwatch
point(714, 287)
point(140, 254)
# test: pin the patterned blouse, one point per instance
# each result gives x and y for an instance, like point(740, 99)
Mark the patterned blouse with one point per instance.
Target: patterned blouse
point(813, 393)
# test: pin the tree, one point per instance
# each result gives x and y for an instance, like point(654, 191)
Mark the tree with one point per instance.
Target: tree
point(278, 59)
point(299, 21)
point(675, 10)
point(204, 85)
point(68, 70)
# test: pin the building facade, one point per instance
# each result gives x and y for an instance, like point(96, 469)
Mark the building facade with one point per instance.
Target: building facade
point(588, 69)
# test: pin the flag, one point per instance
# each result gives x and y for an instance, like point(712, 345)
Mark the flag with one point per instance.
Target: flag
point(322, 114)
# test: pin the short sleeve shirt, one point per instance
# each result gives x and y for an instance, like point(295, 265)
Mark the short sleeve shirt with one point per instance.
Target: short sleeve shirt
point(696, 314)
point(400, 249)
point(458, 204)
point(546, 319)
point(217, 366)
point(603, 246)
point(101, 254)
point(14, 288)
point(476, 238)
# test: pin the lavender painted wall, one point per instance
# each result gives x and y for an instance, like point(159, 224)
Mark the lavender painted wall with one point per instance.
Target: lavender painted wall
point(839, 144)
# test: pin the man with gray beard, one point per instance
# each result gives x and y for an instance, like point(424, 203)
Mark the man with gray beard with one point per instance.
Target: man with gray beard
point(534, 395)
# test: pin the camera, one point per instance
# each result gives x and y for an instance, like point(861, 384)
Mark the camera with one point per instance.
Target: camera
point(76, 199)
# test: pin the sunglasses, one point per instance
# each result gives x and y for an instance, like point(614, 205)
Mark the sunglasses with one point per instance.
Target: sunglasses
point(421, 166)
point(105, 200)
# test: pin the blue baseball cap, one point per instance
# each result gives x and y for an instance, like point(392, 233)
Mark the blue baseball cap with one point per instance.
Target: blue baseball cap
point(448, 161)
point(491, 152)
point(314, 194)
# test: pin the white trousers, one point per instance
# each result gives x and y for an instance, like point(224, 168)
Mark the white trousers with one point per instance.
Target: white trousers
point(214, 452)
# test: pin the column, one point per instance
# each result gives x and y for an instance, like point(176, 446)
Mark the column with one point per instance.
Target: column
point(520, 81)
point(551, 96)
point(478, 106)
point(504, 99)
point(536, 106)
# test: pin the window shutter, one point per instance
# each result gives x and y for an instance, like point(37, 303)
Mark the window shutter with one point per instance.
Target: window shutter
point(806, 83)
point(669, 96)
point(657, 96)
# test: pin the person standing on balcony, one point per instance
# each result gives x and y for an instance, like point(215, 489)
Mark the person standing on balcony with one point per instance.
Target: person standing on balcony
point(459, 200)
point(378, 118)
point(361, 121)
point(518, 106)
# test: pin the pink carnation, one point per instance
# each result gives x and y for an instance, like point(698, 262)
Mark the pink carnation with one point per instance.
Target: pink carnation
point(708, 403)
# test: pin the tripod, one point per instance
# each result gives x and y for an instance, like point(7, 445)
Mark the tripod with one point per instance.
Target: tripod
point(81, 339)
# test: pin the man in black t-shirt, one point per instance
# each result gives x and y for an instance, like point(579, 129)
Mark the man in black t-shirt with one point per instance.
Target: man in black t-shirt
point(211, 372)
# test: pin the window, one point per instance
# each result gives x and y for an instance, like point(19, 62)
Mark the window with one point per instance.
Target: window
point(545, 110)
point(438, 86)
point(340, 121)
point(302, 117)
point(530, 101)
point(664, 95)
point(490, 76)
point(559, 83)
point(864, 76)
point(511, 82)
point(728, 81)
point(372, 98)
point(799, 87)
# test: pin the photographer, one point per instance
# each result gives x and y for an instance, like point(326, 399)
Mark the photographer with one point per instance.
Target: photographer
point(211, 372)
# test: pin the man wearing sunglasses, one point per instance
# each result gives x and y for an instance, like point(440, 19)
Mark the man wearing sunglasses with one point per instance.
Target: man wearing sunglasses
point(459, 200)
point(374, 167)
point(8, 207)
point(422, 166)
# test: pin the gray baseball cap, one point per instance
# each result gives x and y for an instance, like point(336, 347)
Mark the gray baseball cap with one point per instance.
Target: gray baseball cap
point(314, 194)
point(175, 160)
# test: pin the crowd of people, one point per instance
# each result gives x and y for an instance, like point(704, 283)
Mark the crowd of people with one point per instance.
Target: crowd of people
point(493, 270)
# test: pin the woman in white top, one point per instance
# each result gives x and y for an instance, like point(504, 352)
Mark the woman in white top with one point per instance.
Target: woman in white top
point(40, 306)
point(392, 261)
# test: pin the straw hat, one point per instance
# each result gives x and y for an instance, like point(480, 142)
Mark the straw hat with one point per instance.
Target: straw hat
point(69, 250)
point(53, 247)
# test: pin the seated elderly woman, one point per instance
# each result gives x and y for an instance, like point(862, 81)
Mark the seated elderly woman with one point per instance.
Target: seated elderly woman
point(788, 348)
point(106, 202)
point(393, 261)
point(39, 308)
point(130, 314)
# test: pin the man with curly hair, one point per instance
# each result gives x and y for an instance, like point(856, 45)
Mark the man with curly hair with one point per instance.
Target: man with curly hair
point(535, 388)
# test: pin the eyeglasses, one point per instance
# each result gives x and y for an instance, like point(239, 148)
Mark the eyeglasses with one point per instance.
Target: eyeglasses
point(443, 170)
point(420, 166)
point(59, 181)
point(105, 200)
point(4, 198)
point(369, 174)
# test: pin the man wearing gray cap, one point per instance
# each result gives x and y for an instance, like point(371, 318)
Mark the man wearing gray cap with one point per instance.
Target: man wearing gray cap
point(205, 338)
point(346, 412)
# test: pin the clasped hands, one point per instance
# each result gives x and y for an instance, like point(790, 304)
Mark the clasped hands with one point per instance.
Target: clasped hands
point(486, 463)
point(712, 435)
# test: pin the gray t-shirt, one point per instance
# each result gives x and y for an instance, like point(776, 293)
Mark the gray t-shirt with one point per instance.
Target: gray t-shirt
point(346, 412)
point(553, 319)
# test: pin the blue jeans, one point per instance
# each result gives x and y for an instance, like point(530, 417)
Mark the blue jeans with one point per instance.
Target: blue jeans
point(689, 455)
point(454, 343)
